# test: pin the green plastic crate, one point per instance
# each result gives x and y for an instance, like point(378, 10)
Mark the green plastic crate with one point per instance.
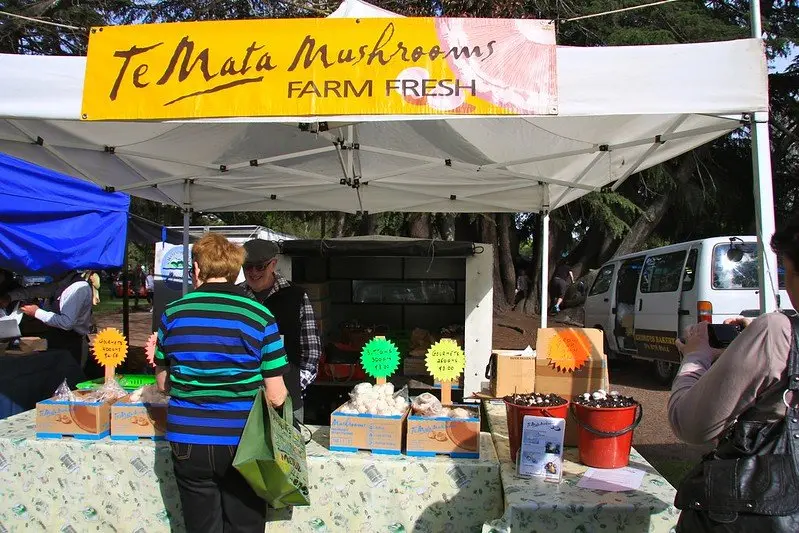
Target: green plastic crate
point(128, 382)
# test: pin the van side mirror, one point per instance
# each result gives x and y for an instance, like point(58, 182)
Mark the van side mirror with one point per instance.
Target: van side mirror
point(735, 254)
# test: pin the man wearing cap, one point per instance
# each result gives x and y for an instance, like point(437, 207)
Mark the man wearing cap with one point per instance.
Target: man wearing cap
point(293, 312)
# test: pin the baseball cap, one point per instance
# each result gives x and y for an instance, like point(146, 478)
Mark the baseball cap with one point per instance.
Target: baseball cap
point(259, 251)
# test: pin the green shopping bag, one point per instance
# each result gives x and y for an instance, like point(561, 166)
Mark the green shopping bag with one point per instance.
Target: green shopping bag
point(271, 455)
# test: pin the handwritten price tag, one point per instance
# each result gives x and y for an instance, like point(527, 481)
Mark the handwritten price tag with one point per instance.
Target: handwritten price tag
point(110, 348)
point(380, 358)
point(445, 360)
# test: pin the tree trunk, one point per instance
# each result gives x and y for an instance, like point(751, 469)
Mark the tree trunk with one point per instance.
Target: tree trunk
point(588, 253)
point(368, 224)
point(446, 226)
point(419, 226)
point(322, 224)
point(643, 227)
point(488, 225)
point(339, 222)
point(507, 265)
point(467, 229)
point(532, 305)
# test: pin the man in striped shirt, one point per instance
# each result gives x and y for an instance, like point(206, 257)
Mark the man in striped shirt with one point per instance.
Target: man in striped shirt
point(216, 347)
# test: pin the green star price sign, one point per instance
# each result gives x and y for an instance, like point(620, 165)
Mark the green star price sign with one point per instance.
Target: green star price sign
point(380, 358)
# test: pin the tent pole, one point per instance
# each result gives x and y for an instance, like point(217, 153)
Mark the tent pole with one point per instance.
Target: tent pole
point(544, 238)
point(186, 223)
point(125, 299)
point(764, 192)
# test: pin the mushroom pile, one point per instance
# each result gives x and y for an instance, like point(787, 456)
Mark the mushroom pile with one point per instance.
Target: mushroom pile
point(604, 399)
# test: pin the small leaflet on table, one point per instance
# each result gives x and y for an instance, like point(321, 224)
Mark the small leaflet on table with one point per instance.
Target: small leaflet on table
point(541, 451)
point(612, 480)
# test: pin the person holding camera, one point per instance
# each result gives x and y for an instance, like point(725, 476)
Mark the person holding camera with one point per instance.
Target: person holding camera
point(738, 398)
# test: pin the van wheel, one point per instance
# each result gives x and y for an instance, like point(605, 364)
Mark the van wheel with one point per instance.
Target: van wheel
point(665, 372)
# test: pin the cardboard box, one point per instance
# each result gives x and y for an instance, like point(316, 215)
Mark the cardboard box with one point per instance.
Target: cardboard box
point(32, 344)
point(582, 343)
point(456, 437)
point(135, 420)
point(511, 372)
point(82, 420)
point(378, 434)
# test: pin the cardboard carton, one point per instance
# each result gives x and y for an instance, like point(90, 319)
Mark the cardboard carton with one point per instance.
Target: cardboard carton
point(32, 344)
point(79, 419)
point(135, 420)
point(456, 437)
point(376, 433)
point(583, 344)
point(511, 372)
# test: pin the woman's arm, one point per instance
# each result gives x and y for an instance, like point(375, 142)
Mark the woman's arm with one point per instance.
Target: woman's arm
point(707, 397)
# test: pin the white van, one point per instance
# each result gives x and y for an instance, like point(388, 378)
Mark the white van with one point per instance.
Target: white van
point(642, 300)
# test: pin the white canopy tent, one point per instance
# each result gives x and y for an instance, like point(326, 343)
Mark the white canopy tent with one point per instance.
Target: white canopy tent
point(621, 110)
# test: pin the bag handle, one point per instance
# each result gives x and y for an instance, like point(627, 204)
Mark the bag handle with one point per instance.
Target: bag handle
point(638, 417)
point(288, 411)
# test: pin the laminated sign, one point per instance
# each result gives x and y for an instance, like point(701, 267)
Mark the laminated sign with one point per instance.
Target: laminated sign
point(271, 456)
point(321, 68)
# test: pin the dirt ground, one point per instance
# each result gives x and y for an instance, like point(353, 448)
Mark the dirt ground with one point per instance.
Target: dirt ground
point(513, 330)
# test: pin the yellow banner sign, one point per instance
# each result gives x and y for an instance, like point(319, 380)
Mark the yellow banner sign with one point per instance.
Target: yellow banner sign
point(321, 68)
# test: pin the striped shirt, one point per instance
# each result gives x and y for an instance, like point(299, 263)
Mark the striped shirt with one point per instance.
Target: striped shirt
point(219, 345)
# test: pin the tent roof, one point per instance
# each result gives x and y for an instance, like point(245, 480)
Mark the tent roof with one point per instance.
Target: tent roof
point(621, 110)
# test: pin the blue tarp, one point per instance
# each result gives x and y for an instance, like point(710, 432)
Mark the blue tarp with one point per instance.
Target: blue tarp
point(51, 223)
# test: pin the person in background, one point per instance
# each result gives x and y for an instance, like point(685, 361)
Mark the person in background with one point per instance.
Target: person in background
point(7, 284)
point(149, 284)
point(216, 347)
point(294, 314)
point(68, 319)
point(93, 279)
point(714, 389)
point(138, 282)
point(522, 287)
point(560, 283)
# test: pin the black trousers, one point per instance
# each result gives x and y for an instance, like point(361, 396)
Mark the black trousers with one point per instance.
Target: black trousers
point(72, 342)
point(214, 496)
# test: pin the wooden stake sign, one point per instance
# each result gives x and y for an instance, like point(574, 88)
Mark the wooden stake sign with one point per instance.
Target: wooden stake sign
point(445, 362)
point(380, 358)
point(110, 349)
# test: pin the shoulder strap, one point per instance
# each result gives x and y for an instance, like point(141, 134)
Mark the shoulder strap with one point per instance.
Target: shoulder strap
point(793, 358)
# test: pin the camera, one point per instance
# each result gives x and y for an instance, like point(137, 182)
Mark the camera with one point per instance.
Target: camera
point(721, 335)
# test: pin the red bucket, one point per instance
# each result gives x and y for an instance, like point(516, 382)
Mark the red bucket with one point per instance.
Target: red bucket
point(605, 434)
point(516, 414)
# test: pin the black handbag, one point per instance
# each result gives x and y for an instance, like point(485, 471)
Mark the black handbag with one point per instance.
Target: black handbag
point(750, 482)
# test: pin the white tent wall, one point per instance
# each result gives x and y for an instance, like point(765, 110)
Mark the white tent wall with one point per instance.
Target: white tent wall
point(621, 110)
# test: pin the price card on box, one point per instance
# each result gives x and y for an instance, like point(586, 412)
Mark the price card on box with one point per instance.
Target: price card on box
point(541, 450)
point(445, 360)
point(110, 349)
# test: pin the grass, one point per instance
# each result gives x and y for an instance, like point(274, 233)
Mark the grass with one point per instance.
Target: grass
point(108, 306)
point(673, 470)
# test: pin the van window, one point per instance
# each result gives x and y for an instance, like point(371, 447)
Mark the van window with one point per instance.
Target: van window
point(731, 274)
point(662, 273)
point(689, 276)
point(602, 281)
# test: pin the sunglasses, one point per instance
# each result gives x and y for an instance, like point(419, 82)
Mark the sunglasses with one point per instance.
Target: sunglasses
point(257, 268)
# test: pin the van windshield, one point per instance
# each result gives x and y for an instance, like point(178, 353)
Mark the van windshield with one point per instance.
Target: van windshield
point(729, 273)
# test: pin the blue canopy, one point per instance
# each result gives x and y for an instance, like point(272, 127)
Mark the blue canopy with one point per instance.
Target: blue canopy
point(51, 223)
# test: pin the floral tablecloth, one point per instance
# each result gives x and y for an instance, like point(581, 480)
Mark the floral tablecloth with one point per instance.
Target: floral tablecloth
point(533, 505)
point(73, 486)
